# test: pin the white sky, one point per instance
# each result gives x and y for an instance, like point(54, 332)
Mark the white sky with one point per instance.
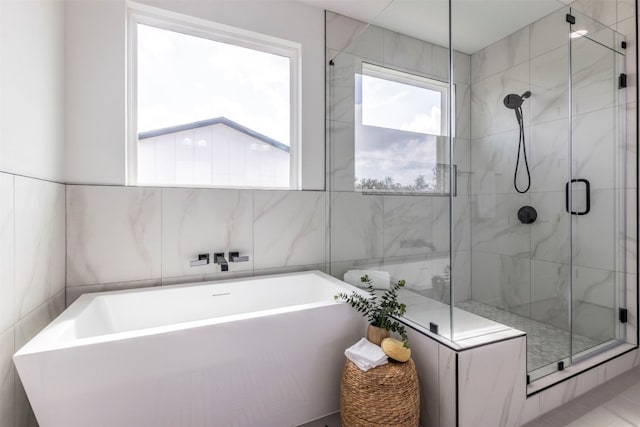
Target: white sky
point(183, 79)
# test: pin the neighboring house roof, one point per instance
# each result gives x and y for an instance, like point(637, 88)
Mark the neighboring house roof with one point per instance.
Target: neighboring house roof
point(215, 121)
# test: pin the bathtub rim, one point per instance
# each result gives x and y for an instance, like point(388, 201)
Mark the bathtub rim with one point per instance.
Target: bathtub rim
point(49, 338)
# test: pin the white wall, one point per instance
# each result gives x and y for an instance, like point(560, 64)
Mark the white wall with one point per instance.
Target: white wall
point(95, 78)
point(95, 96)
point(31, 88)
point(32, 210)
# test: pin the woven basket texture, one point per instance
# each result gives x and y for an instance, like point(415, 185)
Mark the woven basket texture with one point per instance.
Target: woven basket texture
point(388, 396)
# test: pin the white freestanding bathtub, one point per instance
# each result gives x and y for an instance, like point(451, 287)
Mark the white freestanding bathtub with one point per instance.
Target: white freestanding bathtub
point(263, 351)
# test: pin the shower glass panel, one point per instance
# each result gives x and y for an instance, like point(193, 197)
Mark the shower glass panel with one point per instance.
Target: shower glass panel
point(597, 196)
point(485, 165)
point(517, 138)
point(388, 143)
point(545, 124)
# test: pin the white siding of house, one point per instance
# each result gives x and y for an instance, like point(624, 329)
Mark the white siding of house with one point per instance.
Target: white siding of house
point(215, 155)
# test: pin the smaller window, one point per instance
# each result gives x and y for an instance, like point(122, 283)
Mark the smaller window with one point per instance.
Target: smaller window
point(212, 108)
point(401, 142)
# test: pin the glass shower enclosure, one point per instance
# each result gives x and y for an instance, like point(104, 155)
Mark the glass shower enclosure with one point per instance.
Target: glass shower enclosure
point(485, 166)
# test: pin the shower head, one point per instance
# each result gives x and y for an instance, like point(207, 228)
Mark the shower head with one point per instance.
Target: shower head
point(513, 101)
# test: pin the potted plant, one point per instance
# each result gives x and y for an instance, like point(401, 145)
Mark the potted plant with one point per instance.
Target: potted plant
point(379, 310)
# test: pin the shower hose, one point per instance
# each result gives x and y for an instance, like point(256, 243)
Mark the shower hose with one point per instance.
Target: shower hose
point(521, 147)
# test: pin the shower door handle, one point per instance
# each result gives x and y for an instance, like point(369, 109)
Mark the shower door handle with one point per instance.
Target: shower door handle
point(569, 187)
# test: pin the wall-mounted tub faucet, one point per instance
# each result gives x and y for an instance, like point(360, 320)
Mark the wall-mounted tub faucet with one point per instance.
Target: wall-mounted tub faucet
point(218, 258)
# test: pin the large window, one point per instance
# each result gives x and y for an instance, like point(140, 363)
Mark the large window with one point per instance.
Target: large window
point(401, 132)
point(213, 107)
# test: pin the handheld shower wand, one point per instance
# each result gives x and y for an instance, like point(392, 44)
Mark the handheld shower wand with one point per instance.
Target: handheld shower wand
point(514, 102)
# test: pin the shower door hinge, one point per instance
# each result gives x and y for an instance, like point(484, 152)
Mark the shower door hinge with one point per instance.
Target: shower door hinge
point(571, 19)
point(622, 315)
point(561, 366)
point(622, 81)
point(623, 45)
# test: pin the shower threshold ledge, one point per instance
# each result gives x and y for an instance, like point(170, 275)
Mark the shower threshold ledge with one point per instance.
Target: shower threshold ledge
point(469, 330)
point(608, 354)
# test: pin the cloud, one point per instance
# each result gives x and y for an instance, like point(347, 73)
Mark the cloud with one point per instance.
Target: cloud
point(425, 123)
point(401, 155)
point(183, 78)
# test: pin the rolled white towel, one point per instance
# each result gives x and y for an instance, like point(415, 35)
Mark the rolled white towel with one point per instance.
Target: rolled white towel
point(366, 355)
point(379, 279)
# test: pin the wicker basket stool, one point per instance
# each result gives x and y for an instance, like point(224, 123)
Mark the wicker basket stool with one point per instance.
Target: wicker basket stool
point(388, 395)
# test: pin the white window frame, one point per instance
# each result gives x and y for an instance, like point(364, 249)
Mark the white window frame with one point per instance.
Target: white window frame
point(171, 21)
point(404, 77)
point(386, 72)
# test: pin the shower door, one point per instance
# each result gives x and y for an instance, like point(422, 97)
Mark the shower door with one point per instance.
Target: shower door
point(595, 194)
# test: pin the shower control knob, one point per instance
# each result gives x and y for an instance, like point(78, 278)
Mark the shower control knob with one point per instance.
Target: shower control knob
point(527, 214)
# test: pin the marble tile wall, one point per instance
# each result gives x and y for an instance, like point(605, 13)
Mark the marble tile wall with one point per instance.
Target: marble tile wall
point(127, 237)
point(498, 368)
point(405, 235)
point(32, 277)
point(533, 258)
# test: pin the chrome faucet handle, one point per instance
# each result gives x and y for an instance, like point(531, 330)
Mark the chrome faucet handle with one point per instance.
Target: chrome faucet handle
point(203, 259)
point(235, 257)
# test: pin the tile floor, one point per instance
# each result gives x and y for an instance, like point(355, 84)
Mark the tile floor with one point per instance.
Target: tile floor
point(615, 403)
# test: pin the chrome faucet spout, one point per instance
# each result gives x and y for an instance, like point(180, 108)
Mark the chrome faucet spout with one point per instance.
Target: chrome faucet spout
point(220, 259)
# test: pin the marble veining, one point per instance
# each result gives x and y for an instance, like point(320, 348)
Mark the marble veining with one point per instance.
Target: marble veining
point(205, 221)
point(549, 86)
point(447, 386)
point(592, 74)
point(407, 229)
point(496, 225)
point(497, 369)
point(7, 378)
point(356, 226)
point(493, 160)
point(602, 11)
point(341, 166)
point(550, 232)
point(548, 33)
point(7, 309)
point(289, 228)
point(39, 242)
point(463, 110)
point(594, 148)
point(549, 154)
point(502, 281)
point(487, 109)
point(443, 214)
point(114, 234)
point(461, 67)
point(462, 161)
point(594, 239)
point(408, 53)
point(501, 55)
